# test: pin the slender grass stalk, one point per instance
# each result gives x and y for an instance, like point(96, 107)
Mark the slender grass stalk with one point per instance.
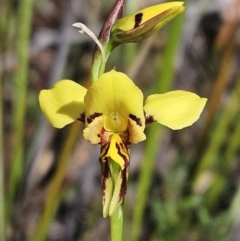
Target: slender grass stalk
point(233, 145)
point(2, 192)
point(20, 96)
point(54, 189)
point(2, 201)
point(218, 136)
point(234, 208)
point(218, 89)
point(145, 180)
point(210, 160)
point(155, 132)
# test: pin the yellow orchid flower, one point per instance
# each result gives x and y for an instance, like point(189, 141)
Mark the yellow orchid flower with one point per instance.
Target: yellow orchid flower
point(115, 117)
point(144, 23)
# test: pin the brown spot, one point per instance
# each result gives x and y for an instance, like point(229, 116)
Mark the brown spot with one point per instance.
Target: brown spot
point(105, 174)
point(92, 117)
point(136, 119)
point(82, 117)
point(123, 189)
point(138, 19)
point(125, 137)
point(149, 119)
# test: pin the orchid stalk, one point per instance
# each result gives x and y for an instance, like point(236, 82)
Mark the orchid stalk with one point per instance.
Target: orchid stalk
point(114, 110)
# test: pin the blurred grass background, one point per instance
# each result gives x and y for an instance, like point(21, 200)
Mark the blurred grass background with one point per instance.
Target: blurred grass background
point(183, 185)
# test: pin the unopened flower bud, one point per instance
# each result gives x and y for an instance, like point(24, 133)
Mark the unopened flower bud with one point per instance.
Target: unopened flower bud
point(144, 23)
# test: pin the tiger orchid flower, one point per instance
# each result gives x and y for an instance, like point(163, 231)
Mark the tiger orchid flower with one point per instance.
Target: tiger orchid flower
point(115, 116)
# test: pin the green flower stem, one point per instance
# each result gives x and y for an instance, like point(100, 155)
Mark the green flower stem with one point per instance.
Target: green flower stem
point(99, 64)
point(116, 220)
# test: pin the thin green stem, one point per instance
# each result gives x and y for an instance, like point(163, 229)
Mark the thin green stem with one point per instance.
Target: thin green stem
point(116, 222)
point(99, 64)
point(116, 219)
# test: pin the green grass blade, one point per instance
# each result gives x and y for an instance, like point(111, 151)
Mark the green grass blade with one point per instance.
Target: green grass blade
point(55, 186)
point(155, 132)
point(20, 94)
point(2, 201)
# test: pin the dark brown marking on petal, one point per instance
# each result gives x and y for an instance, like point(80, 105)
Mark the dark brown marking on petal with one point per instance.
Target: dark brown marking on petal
point(125, 137)
point(123, 189)
point(136, 119)
point(92, 117)
point(138, 19)
point(105, 175)
point(124, 157)
point(121, 145)
point(82, 117)
point(105, 170)
point(149, 119)
point(104, 152)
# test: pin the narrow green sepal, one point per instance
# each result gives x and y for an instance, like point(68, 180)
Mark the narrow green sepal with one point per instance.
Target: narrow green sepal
point(120, 189)
point(107, 196)
point(107, 186)
point(114, 185)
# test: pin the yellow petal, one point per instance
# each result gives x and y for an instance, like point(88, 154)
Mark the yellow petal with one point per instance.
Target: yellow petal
point(175, 109)
point(145, 22)
point(63, 104)
point(115, 94)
